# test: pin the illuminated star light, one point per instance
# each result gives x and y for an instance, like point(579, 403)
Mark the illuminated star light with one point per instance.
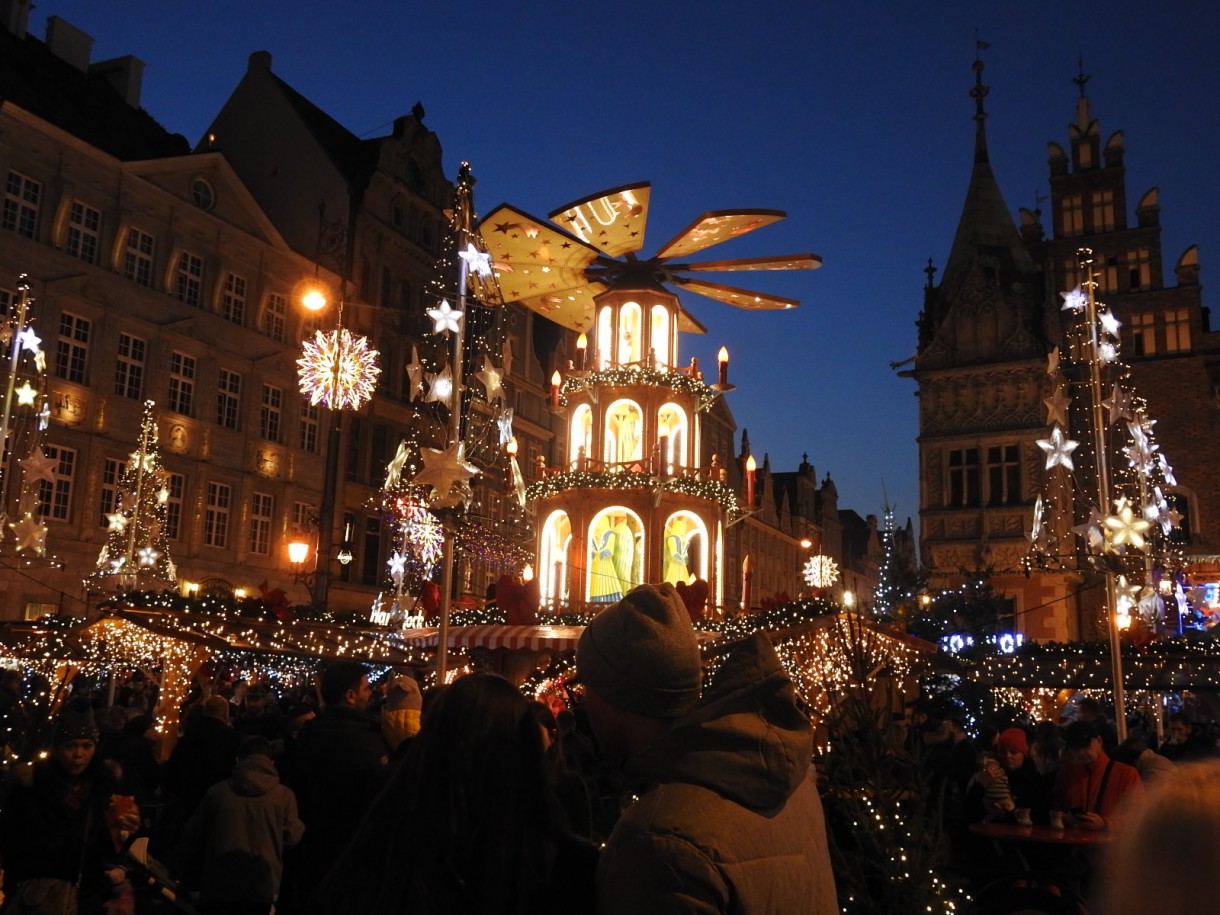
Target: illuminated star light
point(1035, 530)
point(444, 470)
point(445, 318)
point(338, 369)
point(30, 534)
point(398, 566)
point(415, 374)
point(821, 571)
point(26, 395)
point(1075, 300)
point(476, 261)
point(393, 470)
point(1109, 323)
point(1052, 361)
point(1125, 528)
point(116, 521)
point(1057, 406)
point(492, 379)
point(1118, 404)
point(30, 341)
point(1058, 449)
point(504, 422)
point(440, 387)
point(149, 556)
point(39, 467)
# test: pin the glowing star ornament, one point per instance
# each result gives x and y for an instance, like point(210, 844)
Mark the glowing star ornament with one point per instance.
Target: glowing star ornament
point(1057, 406)
point(415, 375)
point(1118, 404)
point(1125, 528)
point(393, 470)
point(1091, 531)
point(30, 534)
point(1058, 449)
point(821, 571)
point(445, 318)
point(30, 341)
point(1035, 529)
point(445, 470)
point(506, 358)
point(1052, 362)
point(116, 521)
point(440, 387)
point(338, 369)
point(39, 467)
point(504, 422)
point(148, 557)
point(476, 261)
point(492, 380)
point(1075, 300)
point(1109, 323)
point(26, 395)
point(398, 566)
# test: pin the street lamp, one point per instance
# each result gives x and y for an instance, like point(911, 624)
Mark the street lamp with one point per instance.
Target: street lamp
point(298, 553)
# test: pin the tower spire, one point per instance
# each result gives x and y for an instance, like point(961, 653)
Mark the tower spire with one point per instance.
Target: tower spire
point(978, 93)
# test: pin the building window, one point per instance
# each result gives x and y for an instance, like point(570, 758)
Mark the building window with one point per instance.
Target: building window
point(188, 284)
point(304, 516)
point(260, 524)
point(138, 257)
point(1003, 475)
point(1139, 268)
point(1143, 334)
point(269, 414)
point(1103, 211)
point(181, 383)
point(202, 194)
point(1107, 274)
point(1073, 214)
point(1177, 330)
point(84, 231)
point(55, 497)
point(8, 299)
point(310, 419)
point(964, 478)
point(129, 367)
point(72, 348)
point(275, 316)
point(21, 199)
point(176, 485)
point(112, 473)
point(228, 399)
point(234, 305)
point(216, 515)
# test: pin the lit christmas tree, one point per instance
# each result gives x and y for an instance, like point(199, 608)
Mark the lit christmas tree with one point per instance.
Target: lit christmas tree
point(136, 553)
point(888, 592)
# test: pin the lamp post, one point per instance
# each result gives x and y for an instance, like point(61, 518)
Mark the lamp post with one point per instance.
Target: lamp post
point(298, 553)
point(314, 300)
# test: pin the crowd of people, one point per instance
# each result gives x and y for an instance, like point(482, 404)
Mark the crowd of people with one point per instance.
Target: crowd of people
point(650, 791)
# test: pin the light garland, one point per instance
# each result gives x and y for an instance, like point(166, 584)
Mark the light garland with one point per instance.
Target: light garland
point(556, 484)
point(678, 382)
point(338, 369)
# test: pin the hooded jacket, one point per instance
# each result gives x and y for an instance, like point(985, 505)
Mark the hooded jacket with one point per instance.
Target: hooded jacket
point(239, 833)
point(728, 818)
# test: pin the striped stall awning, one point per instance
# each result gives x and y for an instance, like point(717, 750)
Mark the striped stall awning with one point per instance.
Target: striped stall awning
point(550, 638)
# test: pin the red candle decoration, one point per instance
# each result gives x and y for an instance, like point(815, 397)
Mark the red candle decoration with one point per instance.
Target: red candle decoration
point(556, 380)
point(723, 360)
point(751, 472)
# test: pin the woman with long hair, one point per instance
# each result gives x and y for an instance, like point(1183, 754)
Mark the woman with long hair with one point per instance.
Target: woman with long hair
point(467, 823)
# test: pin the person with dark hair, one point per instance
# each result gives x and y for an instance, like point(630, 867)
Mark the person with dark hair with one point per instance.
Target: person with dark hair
point(1180, 742)
point(67, 823)
point(238, 836)
point(1089, 709)
point(1091, 787)
point(203, 756)
point(1152, 767)
point(467, 822)
point(340, 761)
point(728, 817)
point(134, 749)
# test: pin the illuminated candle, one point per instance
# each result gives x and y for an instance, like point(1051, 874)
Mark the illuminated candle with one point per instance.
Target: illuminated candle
point(747, 581)
point(663, 449)
point(555, 382)
point(751, 472)
point(582, 344)
point(723, 360)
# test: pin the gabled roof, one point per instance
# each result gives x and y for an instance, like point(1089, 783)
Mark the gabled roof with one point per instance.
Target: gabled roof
point(85, 104)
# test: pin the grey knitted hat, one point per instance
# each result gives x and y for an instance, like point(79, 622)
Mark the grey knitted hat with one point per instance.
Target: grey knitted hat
point(75, 722)
point(641, 654)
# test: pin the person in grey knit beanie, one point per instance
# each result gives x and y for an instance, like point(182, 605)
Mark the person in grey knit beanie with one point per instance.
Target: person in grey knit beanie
point(641, 655)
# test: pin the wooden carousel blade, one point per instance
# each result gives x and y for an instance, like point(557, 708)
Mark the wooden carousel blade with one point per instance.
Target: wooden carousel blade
point(613, 220)
point(775, 262)
point(540, 266)
point(732, 295)
point(715, 227)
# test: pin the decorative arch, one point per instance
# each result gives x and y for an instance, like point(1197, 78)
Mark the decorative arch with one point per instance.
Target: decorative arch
point(616, 554)
point(685, 546)
point(630, 333)
point(624, 434)
point(674, 425)
point(605, 337)
point(660, 337)
point(580, 435)
point(553, 559)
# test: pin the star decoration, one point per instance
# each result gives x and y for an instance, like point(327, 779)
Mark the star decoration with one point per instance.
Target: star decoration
point(492, 379)
point(1124, 527)
point(476, 261)
point(445, 470)
point(1166, 470)
point(1035, 529)
point(1058, 449)
point(821, 571)
point(440, 387)
point(415, 375)
point(445, 319)
point(149, 556)
point(506, 357)
point(30, 534)
point(398, 566)
point(1052, 361)
point(26, 395)
point(171, 570)
point(1109, 323)
point(39, 467)
point(1090, 531)
point(116, 521)
point(338, 369)
point(518, 481)
point(1075, 300)
point(1118, 404)
point(393, 470)
point(1057, 406)
point(504, 422)
point(1107, 351)
point(30, 341)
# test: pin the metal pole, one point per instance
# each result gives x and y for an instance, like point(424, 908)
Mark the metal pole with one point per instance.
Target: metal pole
point(23, 305)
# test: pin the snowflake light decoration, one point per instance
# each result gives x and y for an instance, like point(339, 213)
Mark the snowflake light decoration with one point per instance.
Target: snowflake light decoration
point(338, 369)
point(422, 532)
point(821, 571)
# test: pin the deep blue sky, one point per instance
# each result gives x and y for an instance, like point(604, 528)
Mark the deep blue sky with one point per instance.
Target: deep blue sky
point(853, 117)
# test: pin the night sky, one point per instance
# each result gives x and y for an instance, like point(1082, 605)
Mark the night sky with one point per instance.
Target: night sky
point(854, 118)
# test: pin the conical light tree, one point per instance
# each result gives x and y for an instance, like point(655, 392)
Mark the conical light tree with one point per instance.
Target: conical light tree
point(136, 554)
